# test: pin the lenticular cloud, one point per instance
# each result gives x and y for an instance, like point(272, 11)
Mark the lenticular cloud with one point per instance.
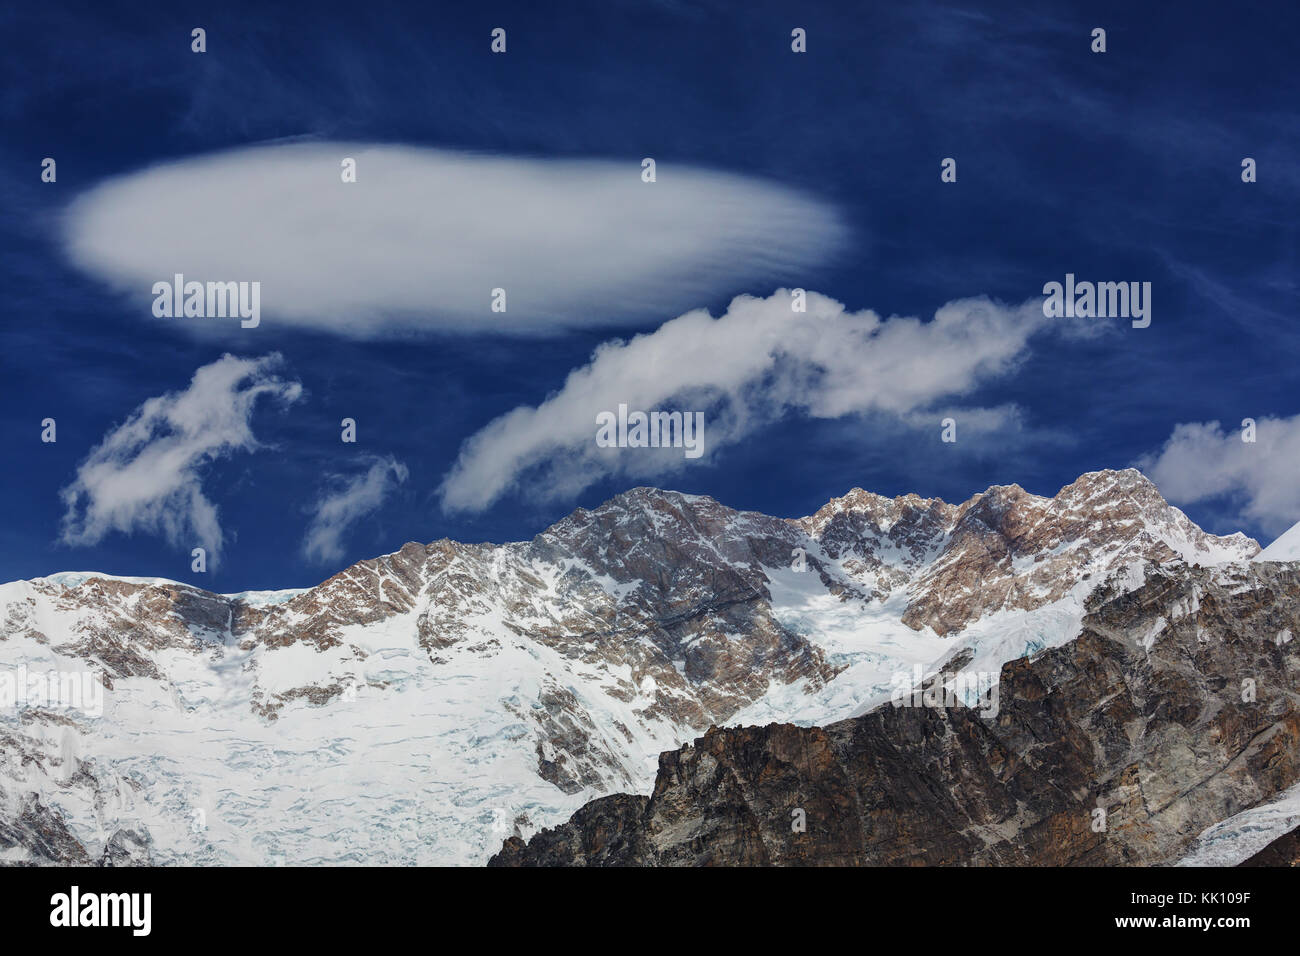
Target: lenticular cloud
point(423, 237)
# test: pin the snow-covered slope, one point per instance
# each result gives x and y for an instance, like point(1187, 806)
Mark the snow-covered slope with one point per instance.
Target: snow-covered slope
point(1285, 548)
point(1242, 835)
point(421, 706)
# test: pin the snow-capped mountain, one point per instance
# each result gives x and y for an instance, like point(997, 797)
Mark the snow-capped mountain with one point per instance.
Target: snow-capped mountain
point(421, 706)
point(1285, 548)
point(1167, 731)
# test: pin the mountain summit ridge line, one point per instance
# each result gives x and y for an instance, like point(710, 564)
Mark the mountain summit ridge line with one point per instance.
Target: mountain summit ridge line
point(498, 687)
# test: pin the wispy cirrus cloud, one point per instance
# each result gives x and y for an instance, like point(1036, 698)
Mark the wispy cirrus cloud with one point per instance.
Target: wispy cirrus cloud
point(147, 473)
point(348, 500)
point(757, 363)
point(424, 236)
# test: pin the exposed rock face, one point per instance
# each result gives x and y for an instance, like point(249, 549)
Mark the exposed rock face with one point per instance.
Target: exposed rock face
point(1006, 548)
point(41, 836)
point(606, 832)
point(127, 848)
point(417, 706)
point(1176, 707)
point(1284, 851)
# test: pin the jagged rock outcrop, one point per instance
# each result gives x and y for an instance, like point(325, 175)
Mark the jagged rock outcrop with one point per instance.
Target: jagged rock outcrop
point(127, 848)
point(40, 836)
point(1177, 706)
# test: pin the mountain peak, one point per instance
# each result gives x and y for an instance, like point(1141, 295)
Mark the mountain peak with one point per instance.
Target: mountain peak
point(563, 664)
point(1286, 547)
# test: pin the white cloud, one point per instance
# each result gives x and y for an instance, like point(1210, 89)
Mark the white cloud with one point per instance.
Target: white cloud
point(1203, 461)
point(350, 500)
point(146, 474)
point(423, 236)
point(756, 363)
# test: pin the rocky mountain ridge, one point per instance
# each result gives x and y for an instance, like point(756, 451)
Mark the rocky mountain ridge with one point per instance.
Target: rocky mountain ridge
point(420, 705)
point(1177, 707)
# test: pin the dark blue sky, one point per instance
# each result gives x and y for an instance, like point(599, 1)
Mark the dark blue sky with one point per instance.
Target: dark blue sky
point(1120, 166)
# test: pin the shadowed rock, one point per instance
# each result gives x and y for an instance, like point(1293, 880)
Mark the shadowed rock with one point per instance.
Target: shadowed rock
point(1174, 708)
